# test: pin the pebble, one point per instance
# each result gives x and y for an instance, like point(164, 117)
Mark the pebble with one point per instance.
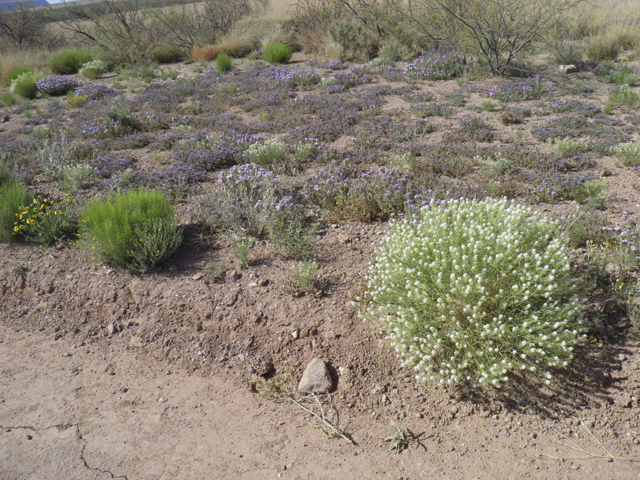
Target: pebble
point(197, 276)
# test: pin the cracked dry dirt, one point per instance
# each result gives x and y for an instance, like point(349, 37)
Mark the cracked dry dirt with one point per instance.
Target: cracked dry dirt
point(64, 415)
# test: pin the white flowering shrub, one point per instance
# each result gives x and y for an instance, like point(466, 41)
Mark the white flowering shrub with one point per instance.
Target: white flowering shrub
point(469, 291)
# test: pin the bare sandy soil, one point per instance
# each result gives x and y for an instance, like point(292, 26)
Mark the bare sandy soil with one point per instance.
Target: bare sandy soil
point(98, 412)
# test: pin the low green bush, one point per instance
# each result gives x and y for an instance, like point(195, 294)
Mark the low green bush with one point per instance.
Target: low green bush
point(69, 62)
point(16, 72)
point(266, 153)
point(277, 53)
point(93, 69)
point(136, 230)
point(25, 84)
point(166, 54)
point(8, 99)
point(46, 222)
point(469, 291)
point(628, 153)
point(13, 195)
point(224, 63)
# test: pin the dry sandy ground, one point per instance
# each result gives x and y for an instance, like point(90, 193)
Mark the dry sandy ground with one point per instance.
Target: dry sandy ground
point(89, 413)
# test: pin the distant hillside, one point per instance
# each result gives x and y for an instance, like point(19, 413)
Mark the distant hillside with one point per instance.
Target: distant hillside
point(11, 4)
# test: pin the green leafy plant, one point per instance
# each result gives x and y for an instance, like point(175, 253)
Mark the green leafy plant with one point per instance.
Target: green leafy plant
point(400, 438)
point(568, 147)
point(266, 153)
point(304, 278)
point(242, 246)
point(136, 230)
point(624, 95)
point(46, 221)
point(277, 53)
point(224, 63)
point(25, 84)
point(13, 195)
point(628, 153)
point(8, 99)
point(469, 291)
point(167, 53)
point(69, 62)
point(73, 176)
point(93, 69)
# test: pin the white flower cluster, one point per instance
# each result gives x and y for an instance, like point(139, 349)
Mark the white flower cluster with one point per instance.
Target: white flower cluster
point(471, 290)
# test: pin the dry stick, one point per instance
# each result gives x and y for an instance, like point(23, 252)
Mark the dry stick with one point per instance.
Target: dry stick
point(578, 448)
point(322, 418)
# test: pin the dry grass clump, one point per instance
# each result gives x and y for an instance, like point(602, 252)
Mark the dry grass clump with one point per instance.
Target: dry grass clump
point(206, 53)
point(11, 60)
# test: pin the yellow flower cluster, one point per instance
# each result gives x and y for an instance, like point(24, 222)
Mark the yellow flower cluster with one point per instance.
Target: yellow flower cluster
point(28, 217)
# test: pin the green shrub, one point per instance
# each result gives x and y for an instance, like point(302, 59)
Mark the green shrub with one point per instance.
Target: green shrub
point(13, 195)
point(8, 99)
point(568, 147)
point(224, 63)
point(628, 153)
point(25, 84)
point(73, 176)
point(136, 230)
point(16, 72)
point(166, 54)
point(69, 62)
point(469, 291)
point(623, 95)
point(93, 69)
point(304, 278)
point(5, 173)
point(266, 153)
point(46, 222)
point(277, 53)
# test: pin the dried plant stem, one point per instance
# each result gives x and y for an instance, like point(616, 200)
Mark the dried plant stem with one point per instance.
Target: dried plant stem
point(588, 455)
point(321, 417)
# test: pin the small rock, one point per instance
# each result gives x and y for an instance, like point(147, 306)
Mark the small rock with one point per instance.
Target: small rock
point(136, 341)
point(606, 173)
point(295, 334)
point(197, 276)
point(316, 378)
point(385, 399)
point(253, 284)
point(343, 239)
point(5, 119)
point(378, 389)
point(264, 282)
point(566, 69)
point(111, 329)
point(162, 400)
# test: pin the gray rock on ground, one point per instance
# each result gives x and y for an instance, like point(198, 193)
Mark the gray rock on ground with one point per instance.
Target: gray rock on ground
point(316, 378)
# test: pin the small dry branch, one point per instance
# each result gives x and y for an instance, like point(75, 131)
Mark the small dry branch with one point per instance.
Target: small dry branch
point(587, 454)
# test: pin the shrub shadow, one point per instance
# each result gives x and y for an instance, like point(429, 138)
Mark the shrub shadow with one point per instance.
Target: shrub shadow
point(587, 381)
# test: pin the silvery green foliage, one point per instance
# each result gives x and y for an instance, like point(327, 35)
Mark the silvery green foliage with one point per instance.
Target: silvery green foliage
point(469, 291)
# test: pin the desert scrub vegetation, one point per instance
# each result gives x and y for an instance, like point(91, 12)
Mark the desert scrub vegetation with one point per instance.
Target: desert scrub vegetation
point(46, 221)
point(469, 291)
point(277, 53)
point(13, 196)
point(26, 84)
point(136, 230)
point(69, 62)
